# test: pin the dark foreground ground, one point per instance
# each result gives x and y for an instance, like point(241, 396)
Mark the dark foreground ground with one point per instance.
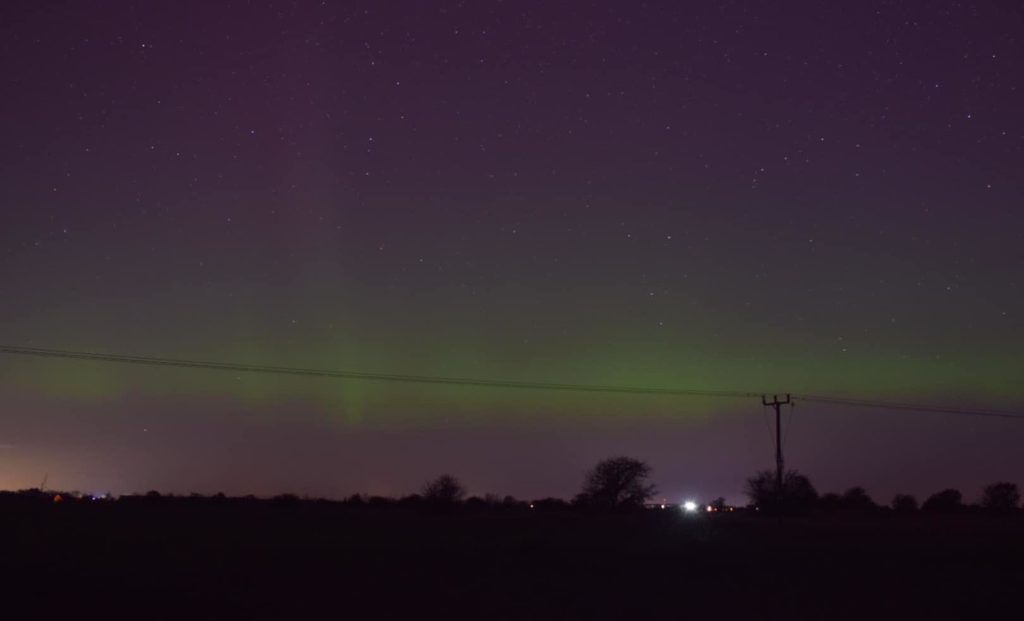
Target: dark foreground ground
point(208, 560)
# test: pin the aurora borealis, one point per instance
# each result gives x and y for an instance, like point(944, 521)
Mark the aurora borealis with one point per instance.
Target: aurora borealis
point(739, 196)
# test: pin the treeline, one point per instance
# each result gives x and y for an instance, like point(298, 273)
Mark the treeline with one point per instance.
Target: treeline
point(797, 494)
point(614, 484)
point(618, 483)
point(488, 502)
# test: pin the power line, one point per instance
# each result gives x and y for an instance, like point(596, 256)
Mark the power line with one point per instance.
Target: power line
point(487, 383)
point(767, 423)
point(385, 377)
point(789, 424)
point(910, 407)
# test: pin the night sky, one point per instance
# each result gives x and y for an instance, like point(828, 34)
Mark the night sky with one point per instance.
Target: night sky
point(805, 197)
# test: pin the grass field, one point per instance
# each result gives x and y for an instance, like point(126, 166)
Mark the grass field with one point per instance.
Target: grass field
point(208, 559)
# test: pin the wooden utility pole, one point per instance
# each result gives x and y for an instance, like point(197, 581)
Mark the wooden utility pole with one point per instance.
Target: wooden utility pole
point(779, 463)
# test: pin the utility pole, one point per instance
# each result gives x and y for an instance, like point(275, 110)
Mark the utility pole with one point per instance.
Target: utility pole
point(779, 463)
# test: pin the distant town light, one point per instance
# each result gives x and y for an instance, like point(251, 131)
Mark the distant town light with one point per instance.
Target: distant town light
point(690, 506)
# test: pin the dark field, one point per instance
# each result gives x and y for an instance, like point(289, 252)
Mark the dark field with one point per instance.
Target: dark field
point(192, 559)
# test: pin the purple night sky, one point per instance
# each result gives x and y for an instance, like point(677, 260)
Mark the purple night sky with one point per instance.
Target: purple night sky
point(806, 197)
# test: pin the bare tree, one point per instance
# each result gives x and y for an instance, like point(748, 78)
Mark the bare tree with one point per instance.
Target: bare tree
point(617, 482)
point(1001, 497)
point(445, 489)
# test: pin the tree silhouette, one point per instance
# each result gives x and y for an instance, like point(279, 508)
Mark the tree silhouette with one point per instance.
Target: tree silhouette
point(797, 492)
point(904, 503)
point(857, 499)
point(445, 489)
point(549, 504)
point(830, 502)
point(617, 482)
point(1001, 497)
point(946, 501)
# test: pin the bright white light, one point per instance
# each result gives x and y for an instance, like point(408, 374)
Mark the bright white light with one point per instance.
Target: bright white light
point(690, 506)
